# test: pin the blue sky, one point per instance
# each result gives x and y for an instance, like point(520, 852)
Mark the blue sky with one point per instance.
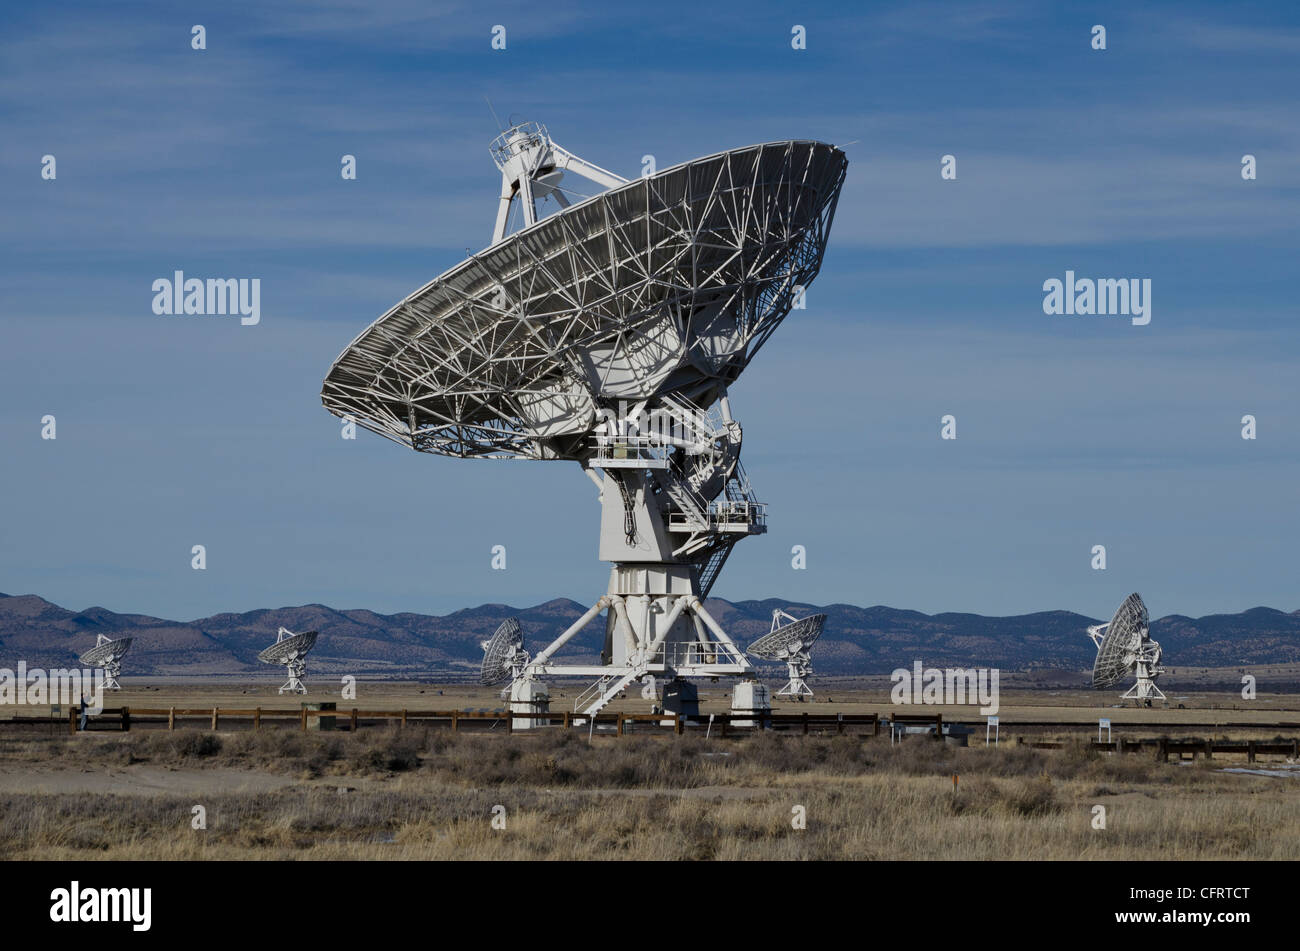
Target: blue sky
point(1072, 431)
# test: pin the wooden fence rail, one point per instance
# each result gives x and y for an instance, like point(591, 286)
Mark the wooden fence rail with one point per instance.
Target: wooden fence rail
point(1163, 747)
point(122, 718)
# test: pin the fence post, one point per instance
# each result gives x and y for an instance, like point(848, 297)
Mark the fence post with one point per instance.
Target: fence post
point(875, 724)
point(1250, 751)
point(839, 726)
point(403, 716)
point(354, 719)
point(566, 719)
point(510, 723)
point(805, 723)
point(620, 725)
point(304, 719)
point(677, 724)
point(1209, 748)
point(1162, 749)
point(171, 718)
point(126, 719)
point(455, 721)
point(257, 718)
point(72, 720)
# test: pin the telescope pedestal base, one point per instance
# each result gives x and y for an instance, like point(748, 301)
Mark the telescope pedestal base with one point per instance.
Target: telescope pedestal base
point(529, 696)
point(751, 698)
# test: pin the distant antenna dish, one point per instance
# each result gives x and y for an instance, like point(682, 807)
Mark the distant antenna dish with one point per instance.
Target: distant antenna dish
point(290, 650)
point(108, 653)
point(791, 643)
point(504, 656)
point(1125, 645)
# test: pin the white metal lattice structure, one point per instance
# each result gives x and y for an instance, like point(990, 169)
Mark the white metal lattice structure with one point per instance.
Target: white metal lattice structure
point(681, 275)
point(290, 650)
point(108, 653)
point(790, 641)
point(1124, 645)
point(607, 334)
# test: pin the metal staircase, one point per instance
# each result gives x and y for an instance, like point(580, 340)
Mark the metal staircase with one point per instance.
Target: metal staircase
point(693, 508)
point(603, 691)
point(712, 564)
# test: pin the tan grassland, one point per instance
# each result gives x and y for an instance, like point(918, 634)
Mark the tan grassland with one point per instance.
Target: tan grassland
point(422, 793)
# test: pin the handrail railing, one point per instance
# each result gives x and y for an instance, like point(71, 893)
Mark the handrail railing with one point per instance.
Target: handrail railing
point(592, 692)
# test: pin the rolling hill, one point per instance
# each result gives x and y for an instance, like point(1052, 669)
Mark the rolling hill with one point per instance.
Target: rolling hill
point(857, 640)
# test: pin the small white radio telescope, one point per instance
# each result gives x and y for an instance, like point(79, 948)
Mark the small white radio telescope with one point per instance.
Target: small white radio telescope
point(504, 656)
point(108, 653)
point(607, 335)
point(791, 643)
point(290, 650)
point(1124, 645)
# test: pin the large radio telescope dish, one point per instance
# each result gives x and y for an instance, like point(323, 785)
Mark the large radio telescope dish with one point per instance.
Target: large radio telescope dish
point(791, 643)
point(668, 284)
point(107, 654)
point(608, 334)
point(290, 650)
point(1124, 645)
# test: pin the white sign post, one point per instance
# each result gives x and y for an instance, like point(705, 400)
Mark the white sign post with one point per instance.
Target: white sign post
point(1103, 724)
point(992, 724)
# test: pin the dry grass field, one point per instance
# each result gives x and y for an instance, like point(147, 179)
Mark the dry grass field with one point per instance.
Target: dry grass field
point(427, 793)
point(420, 793)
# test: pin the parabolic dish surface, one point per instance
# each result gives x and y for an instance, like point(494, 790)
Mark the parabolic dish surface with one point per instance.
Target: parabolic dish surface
point(498, 650)
point(289, 648)
point(1122, 638)
point(668, 284)
point(803, 632)
point(103, 653)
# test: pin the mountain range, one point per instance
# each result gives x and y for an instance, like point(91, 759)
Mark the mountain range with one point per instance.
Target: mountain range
point(856, 641)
